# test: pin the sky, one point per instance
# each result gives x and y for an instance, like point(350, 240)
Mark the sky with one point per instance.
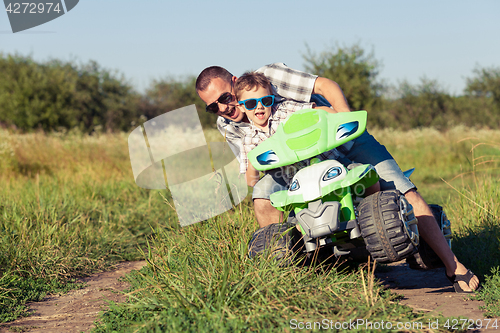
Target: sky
point(150, 40)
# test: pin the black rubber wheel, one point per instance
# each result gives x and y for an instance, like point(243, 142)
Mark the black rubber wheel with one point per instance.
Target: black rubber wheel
point(426, 258)
point(278, 240)
point(359, 254)
point(388, 226)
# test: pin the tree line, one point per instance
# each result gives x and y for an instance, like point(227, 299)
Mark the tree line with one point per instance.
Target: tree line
point(57, 95)
point(405, 106)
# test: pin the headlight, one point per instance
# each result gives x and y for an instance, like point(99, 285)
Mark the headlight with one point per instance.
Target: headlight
point(295, 185)
point(332, 173)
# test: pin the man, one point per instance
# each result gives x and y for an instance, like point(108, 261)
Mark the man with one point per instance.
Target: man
point(215, 87)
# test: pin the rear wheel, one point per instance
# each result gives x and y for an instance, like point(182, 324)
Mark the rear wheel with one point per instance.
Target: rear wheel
point(388, 226)
point(426, 258)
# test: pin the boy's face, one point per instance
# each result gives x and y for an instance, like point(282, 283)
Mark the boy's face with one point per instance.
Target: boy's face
point(260, 115)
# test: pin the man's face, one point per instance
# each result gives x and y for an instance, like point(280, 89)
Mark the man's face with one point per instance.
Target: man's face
point(214, 90)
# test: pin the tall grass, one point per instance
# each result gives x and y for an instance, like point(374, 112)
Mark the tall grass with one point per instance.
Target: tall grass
point(200, 279)
point(476, 215)
point(68, 207)
point(456, 156)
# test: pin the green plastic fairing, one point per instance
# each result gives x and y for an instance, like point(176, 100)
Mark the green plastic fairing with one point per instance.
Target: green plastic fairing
point(300, 122)
point(304, 135)
point(359, 179)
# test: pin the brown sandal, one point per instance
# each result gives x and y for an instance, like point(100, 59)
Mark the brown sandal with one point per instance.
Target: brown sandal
point(464, 277)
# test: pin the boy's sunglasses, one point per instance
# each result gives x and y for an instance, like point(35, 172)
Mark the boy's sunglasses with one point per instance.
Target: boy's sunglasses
point(225, 98)
point(252, 103)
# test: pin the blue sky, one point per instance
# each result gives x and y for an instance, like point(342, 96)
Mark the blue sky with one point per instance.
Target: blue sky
point(145, 40)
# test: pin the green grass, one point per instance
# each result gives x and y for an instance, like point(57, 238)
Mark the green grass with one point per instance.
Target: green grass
point(475, 215)
point(69, 207)
point(460, 170)
point(491, 293)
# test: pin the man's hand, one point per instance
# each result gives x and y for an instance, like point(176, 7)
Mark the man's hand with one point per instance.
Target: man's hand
point(332, 92)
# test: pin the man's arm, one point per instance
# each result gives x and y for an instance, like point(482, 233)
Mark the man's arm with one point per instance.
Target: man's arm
point(325, 108)
point(288, 83)
point(331, 91)
point(292, 84)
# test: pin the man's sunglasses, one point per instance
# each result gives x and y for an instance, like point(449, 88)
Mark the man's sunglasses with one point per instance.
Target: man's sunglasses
point(252, 103)
point(225, 98)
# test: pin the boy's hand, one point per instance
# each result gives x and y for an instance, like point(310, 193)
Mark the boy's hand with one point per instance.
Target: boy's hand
point(252, 176)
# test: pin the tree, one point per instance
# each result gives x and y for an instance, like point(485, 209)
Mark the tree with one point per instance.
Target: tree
point(35, 96)
point(58, 94)
point(486, 83)
point(104, 98)
point(353, 70)
point(170, 94)
point(423, 105)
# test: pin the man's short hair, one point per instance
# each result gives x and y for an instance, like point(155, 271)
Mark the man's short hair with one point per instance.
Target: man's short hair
point(249, 81)
point(208, 74)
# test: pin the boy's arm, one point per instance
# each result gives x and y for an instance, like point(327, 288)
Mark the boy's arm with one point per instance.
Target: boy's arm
point(252, 175)
point(331, 91)
point(233, 136)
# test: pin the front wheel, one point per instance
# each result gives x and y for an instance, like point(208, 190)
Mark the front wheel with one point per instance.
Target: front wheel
point(388, 226)
point(278, 240)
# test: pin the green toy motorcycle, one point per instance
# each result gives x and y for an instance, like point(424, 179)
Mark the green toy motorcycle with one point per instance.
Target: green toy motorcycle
point(324, 195)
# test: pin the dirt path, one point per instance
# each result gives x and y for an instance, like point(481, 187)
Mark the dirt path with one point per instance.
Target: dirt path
point(77, 310)
point(430, 291)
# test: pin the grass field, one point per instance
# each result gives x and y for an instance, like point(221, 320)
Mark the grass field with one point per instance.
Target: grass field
point(69, 207)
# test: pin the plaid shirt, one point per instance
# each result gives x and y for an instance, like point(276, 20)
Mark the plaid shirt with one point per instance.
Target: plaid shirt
point(287, 83)
point(255, 136)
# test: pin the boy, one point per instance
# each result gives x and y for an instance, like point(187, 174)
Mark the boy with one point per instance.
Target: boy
point(253, 92)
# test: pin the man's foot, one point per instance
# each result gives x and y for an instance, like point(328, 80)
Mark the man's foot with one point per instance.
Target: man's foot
point(464, 283)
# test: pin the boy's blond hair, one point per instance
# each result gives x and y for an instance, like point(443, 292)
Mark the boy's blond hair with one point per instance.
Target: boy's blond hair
point(249, 81)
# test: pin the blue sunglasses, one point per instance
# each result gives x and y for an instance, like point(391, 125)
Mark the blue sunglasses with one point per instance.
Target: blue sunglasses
point(252, 103)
